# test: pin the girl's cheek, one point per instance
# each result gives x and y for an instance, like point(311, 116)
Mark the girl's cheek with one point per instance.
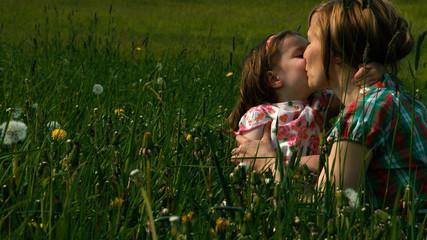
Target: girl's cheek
point(302, 63)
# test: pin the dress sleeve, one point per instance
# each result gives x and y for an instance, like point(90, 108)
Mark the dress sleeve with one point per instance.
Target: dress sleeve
point(255, 117)
point(366, 121)
point(324, 99)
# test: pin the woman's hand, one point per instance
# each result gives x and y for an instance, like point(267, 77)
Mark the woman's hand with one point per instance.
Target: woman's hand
point(368, 75)
point(258, 154)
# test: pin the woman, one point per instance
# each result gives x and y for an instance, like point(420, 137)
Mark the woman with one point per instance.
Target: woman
point(375, 144)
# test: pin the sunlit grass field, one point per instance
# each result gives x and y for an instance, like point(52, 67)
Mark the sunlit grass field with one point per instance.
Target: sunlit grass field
point(148, 157)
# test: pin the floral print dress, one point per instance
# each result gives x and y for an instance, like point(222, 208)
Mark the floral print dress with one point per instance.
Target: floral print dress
point(296, 125)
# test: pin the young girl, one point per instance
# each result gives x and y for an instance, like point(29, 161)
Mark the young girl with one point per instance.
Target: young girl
point(275, 89)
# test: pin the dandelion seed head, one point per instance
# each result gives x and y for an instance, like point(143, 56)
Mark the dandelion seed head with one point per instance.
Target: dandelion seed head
point(52, 125)
point(160, 81)
point(159, 66)
point(353, 197)
point(244, 166)
point(98, 89)
point(16, 112)
point(36, 105)
point(135, 173)
point(174, 219)
point(16, 132)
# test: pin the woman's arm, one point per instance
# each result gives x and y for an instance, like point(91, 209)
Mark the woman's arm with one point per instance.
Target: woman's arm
point(347, 165)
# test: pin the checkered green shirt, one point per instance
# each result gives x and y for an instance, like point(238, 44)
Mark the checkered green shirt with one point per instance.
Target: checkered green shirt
point(383, 122)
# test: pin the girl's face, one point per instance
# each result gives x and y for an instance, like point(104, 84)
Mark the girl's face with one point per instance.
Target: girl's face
point(291, 69)
point(314, 59)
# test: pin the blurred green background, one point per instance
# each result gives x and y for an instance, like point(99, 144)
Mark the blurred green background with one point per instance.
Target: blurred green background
point(194, 25)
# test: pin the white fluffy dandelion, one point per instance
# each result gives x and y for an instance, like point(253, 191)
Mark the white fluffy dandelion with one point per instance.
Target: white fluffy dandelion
point(52, 125)
point(159, 66)
point(15, 132)
point(98, 89)
point(136, 176)
point(353, 197)
point(173, 219)
point(16, 112)
point(244, 166)
point(160, 81)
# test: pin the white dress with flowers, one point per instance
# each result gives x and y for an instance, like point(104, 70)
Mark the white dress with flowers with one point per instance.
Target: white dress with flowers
point(294, 124)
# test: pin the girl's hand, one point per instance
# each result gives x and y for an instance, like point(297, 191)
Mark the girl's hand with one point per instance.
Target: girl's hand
point(371, 74)
point(258, 154)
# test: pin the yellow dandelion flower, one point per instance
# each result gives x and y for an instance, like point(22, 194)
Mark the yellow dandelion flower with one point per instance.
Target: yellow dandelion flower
point(138, 49)
point(117, 202)
point(59, 134)
point(119, 112)
point(41, 225)
point(221, 225)
point(229, 74)
point(190, 215)
point(417, 90)
point(188, 137)
point(32, 224)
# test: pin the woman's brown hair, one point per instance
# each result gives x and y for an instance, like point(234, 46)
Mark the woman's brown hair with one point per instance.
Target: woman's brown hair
point(254, 88)
point(361, 34)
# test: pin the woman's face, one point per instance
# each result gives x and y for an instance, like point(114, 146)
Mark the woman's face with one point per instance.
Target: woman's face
point(314, 59)
point(291, 68)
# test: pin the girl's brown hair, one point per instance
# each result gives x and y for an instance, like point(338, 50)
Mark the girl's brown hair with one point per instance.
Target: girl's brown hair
point(254, 88)
point(361, 34)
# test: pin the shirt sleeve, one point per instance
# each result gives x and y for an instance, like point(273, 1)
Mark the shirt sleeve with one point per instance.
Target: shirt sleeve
point(255, 117)
point(366, 121)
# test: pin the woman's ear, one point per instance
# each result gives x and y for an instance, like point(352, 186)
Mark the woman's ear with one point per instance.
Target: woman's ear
point(273, 81)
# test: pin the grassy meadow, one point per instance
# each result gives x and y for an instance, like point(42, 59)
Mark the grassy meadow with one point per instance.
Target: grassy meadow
point(148, 157)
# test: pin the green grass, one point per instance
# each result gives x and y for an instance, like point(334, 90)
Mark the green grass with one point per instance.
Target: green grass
point(70, 186)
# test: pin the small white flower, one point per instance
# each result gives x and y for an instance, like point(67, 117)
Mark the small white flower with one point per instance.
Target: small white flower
point(136, 177)
point(159, 66)
point(268, 180)
point(15, 132)
point(160, 81)
point(173, 219)
point(35, 105)
point(353, 197)
point(244, 166)
point(52, 125)
point(135, 174)
point(98, 89)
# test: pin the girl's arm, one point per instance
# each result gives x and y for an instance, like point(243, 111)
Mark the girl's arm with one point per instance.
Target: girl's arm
point(260, 152)
point(255, 148)
point(346, 166)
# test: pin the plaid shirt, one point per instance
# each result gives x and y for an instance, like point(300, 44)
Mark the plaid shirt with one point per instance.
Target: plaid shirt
point(381, 119)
